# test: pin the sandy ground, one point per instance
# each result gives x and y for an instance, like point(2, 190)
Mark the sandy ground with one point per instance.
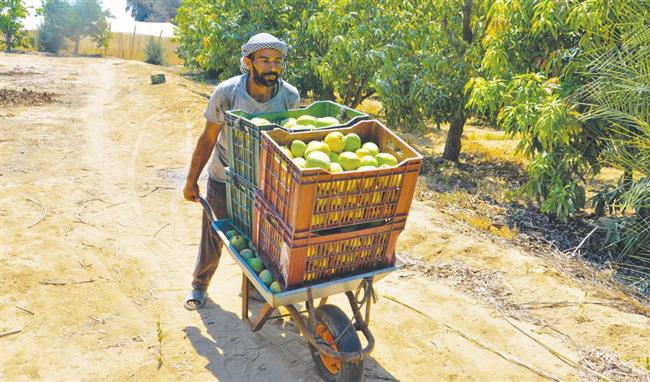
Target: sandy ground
point(91, 199)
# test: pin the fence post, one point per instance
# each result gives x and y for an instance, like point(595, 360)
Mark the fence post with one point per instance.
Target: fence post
point(133, 38)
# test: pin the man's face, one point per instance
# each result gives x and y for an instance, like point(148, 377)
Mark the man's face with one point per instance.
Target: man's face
point(267, 65)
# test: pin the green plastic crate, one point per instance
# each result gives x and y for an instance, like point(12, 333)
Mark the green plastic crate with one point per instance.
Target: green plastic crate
point(245, 136)
point(240, 196)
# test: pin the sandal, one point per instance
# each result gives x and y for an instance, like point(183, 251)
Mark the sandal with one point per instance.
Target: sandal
point(195, 299)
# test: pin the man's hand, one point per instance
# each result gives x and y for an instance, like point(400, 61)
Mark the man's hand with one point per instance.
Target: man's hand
point(191, 192)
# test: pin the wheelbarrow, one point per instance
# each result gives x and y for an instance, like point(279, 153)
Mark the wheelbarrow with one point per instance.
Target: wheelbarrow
point(332, 337)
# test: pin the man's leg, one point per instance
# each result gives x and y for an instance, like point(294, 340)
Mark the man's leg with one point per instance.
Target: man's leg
point(210, 245)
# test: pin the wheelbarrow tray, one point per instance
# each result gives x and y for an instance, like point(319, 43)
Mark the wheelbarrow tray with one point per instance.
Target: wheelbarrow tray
point(294, 296)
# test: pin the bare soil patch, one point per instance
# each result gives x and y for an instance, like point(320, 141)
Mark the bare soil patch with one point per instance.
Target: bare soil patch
point(483, 192)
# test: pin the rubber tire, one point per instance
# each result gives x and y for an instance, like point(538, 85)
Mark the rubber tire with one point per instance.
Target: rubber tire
point(336, 322)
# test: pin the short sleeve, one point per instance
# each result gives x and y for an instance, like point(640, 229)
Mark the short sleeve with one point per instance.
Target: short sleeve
point(294, 100)
point(217, 105)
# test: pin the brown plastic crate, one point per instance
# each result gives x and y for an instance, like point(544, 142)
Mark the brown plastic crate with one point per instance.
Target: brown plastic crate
point(313, 258)
point(309, 200)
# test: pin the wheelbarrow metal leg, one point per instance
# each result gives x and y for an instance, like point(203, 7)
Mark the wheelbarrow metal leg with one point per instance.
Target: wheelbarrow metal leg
point(264, 313)
point(368, 302)
point(361, 324)
point(244, 297)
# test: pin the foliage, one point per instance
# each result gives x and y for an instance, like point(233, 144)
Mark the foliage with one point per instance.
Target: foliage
point(536, 60)
point(211, 34)
point(350, 36)
point(352, 50)
point(431, 55)
point(152, 10)
point(73, 20)
point(618, 95)
point(87, 18)
point(11, 12)
point(154, 52)
point(572, 79)
point(568, 78)
point(51, 32)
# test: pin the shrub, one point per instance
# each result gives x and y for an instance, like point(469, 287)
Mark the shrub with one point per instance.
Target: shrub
point(49, 38)
point(154, 52)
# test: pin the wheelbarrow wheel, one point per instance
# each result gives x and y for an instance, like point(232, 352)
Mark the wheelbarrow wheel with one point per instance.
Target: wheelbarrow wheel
point(336, 330)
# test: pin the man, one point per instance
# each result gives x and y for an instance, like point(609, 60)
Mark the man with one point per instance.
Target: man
point(258, 89)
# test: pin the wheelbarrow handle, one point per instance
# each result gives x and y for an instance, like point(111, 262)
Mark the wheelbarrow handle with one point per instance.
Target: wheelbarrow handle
point(206, 208)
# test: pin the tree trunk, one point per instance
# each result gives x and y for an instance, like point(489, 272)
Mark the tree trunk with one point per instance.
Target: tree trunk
point(453, 143)
point(9, 41)
point(328, 93)
point(76, 45)
point(361, 98)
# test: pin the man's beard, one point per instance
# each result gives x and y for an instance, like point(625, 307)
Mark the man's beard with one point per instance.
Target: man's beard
point(259, 79)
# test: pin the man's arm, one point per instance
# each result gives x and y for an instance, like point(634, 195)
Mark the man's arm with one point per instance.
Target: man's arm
point(200, 157)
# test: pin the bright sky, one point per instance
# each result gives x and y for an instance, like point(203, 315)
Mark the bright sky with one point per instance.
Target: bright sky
point(121, 21)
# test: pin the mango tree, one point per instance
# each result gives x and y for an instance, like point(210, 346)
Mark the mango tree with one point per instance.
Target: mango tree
point(211, 33)
point(535, 60)
point(571, 78)
point(432, 53)
point(350, 36)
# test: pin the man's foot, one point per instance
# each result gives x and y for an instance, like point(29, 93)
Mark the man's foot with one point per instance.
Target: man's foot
point(195, 299)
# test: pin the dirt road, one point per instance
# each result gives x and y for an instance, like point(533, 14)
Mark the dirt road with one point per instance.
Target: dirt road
point(98, 249)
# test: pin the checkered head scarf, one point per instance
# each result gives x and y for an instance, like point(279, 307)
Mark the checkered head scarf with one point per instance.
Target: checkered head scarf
point(258, 42)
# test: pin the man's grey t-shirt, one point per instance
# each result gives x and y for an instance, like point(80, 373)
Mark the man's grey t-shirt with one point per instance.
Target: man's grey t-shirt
point(232, 95)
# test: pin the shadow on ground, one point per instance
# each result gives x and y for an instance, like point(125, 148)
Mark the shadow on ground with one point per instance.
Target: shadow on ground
point(275, 353)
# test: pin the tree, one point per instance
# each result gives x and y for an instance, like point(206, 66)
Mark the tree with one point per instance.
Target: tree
point(51, 32)
point(73, 20)
point(428, 59)
point(536, 58)
point(153, 10)
point(348, 37)
point(572, 79)
point(211, 33)
point(11, 12)
point(616, 96)
point(87, 18)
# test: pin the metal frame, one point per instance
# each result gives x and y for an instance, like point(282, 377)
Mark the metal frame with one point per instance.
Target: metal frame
point(347, 285)
point(308, 331)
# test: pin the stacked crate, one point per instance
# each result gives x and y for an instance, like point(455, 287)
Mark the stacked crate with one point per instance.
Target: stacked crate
point(244, 137)
point(311, 226)
point(240, 196)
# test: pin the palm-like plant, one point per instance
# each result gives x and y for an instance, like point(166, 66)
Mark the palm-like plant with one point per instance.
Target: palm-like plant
point(616, 103)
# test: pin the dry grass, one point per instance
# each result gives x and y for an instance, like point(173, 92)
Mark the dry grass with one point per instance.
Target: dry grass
point(609, 364)
point(370, 106)
point(474, 212)
point(480, 135)
point(501, 151)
